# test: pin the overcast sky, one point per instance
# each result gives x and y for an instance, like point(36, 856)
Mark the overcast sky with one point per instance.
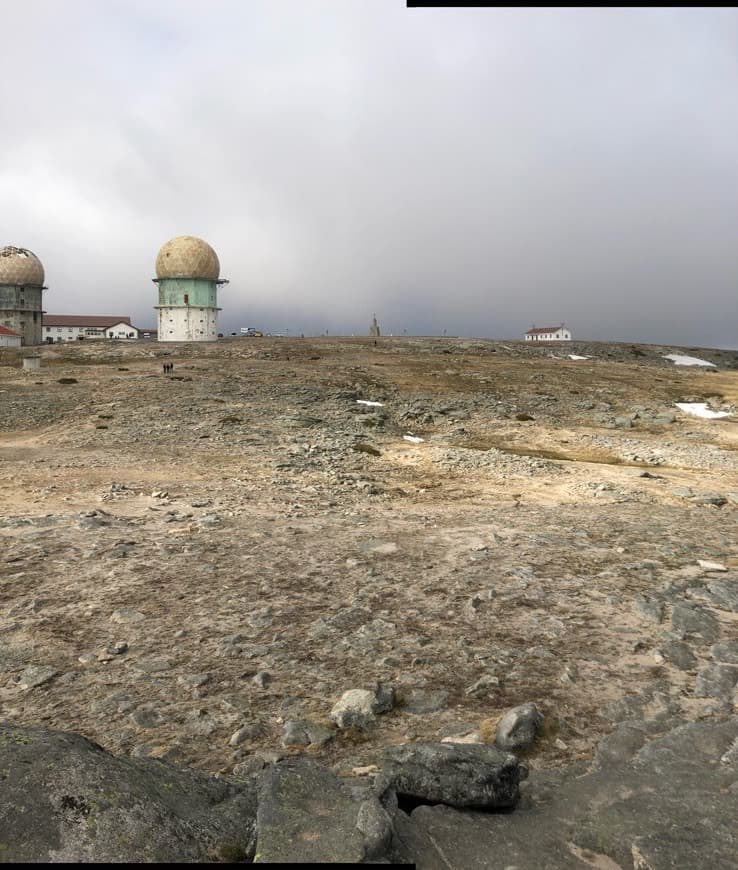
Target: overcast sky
point(474, 171)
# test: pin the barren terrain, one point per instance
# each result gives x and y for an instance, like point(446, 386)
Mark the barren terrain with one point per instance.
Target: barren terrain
point(257, 540)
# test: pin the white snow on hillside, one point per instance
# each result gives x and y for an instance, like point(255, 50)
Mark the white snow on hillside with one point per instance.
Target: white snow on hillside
point(681, 360)
point(700, 409)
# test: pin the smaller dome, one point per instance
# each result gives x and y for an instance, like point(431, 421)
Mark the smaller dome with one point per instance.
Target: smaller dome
point(187, 257)
point(20, 266)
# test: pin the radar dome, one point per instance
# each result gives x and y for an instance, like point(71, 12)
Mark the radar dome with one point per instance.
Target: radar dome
point(187, 257)
point(20, 266)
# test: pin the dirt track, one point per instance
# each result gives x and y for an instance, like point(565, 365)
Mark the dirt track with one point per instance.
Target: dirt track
point(249, 518)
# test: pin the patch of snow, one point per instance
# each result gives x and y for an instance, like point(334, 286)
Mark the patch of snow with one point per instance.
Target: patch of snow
point(574, 356)
point(367, 402)
point(414, 439)
point(681, 360)
point(700, 409)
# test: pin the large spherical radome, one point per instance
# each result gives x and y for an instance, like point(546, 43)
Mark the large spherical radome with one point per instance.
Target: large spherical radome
point(187, 257)
point(20, 266)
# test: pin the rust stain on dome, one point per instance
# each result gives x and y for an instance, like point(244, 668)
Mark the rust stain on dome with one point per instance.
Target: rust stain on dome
point(20, 266)
point(187, 257)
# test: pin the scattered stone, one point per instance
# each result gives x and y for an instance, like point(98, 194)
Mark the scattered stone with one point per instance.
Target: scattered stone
point(36, 675)
point(193, 681)
point(470, 737)
point(711, 566)
point(360, 447)
point(305, 733)
point(152, 666)
point(384, 698)
point(262, 679)
point(518, 728)
point(483, 684)
point(381, 549)
point(365, 770)
point(146, 718)
point(126, 615)
point(246, 732)
point(253, 764)
point(709, 498)
point(108, 653)
point(356, 709)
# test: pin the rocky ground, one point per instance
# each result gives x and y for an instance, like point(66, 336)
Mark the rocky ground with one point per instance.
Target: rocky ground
point(197, 566)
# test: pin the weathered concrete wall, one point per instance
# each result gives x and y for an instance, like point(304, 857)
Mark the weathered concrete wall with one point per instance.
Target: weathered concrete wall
point(187, 310)
point(21, 311)
point(199, 293)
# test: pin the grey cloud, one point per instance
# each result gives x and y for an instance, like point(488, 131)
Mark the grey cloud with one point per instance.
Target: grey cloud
point(468, 170)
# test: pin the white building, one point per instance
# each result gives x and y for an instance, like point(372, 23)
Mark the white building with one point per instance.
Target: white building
point(77, 327)
point(548, 333)
point(8, 338)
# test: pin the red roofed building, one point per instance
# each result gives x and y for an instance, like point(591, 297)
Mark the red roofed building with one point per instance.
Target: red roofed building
point(77, 327)
point(8, 338)
point(548, 333)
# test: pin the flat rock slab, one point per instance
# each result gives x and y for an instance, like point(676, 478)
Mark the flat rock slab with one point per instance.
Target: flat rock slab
point(691, 619)
point(305, 816)
point(723, 594)
point(36, 675)
point(671, 803)
point(678, 654)
point(64, 799)
point(716, 681)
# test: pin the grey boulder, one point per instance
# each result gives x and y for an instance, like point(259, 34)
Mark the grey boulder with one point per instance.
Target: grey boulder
point(518, 728)
point(65, 799)
point(460, 775)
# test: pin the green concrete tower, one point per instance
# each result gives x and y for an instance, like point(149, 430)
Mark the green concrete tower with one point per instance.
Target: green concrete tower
point(188, 277)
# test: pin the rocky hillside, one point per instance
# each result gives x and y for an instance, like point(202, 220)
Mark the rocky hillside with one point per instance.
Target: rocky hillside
point(289, 551)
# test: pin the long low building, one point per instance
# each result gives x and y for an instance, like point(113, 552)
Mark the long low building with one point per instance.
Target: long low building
point(77, 327)
point(548, 333)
